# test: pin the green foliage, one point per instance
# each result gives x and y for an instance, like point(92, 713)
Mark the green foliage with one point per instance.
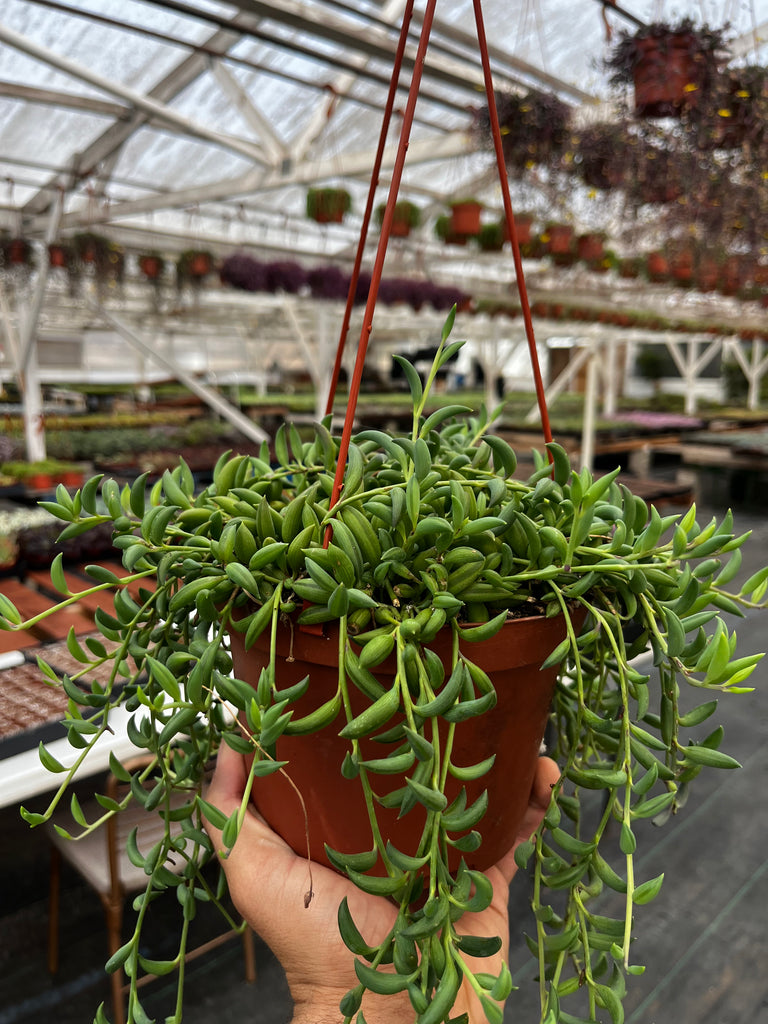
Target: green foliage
point(328, 204)
point(404, 211)
point(433, 532)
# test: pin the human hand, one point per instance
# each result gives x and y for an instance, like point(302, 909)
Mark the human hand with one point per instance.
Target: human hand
point(268, 882)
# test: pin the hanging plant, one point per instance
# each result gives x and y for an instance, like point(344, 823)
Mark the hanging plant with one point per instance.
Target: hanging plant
point(445, 230)
point(328, 205)
point(659, 177)
point(465, 217)
point(193, 266)
point(739, 117)
point(244, 272)
point(603, 154)
point(97, 254)
point(233, 622)
point(152, 265)
point(91, 248)
point(406, 216)
point(671, 66)
point(535, 128)
point(491, 237)
point(17, 252)
point(60, 255)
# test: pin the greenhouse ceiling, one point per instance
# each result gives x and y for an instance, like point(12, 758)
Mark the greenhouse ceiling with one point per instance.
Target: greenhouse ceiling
point(164, 122)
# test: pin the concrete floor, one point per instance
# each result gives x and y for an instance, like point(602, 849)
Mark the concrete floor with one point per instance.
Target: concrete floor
point(704, 940)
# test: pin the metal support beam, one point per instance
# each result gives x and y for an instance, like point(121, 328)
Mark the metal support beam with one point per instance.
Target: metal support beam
point(557, 387)
point(319, 356)
point(149, 106)
point(691, 365)
point(590, 401)
point(427, 150)
point(210, 397)
point(275, 148)
point(30, 321)
point(754, 369)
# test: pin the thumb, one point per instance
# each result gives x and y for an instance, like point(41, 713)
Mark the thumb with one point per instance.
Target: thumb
point(547, 774)
point(227, 787)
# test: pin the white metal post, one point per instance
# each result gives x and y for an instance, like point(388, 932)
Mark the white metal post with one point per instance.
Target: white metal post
point(609, 376)
point(590, 399)
point(755, 375)
point(209, 396)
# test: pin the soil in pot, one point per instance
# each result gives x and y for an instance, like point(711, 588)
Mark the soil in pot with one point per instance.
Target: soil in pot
point(336, 810)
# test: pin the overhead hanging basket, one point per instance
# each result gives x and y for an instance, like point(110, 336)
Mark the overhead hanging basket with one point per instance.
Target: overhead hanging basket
point(406, 216)
point(671, 67)
point(328, 205)
point(465, 217)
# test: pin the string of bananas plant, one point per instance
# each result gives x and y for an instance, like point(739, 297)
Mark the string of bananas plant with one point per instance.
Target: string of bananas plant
point(433, 536)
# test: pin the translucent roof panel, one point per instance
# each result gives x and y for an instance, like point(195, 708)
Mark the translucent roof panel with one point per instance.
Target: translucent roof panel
point(148, 117)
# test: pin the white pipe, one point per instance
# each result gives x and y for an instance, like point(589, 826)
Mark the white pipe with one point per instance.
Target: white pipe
point(210, 397)
point(590, 399)
point(138, 100)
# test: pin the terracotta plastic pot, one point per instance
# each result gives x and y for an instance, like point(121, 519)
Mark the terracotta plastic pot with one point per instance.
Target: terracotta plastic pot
point(465, 218)
point(330, 208)
point(512, 731)
point(401, 228)
point(523, 228)
point(707, 275)
point(665, 71)
point(560, 238)
point(40, 482)
point(200, 265)
point(17, 251)
point(658, 266)
point(682, 267)
point(590, 247)
point(731, 276)
point(57, 256)
point(150, 267)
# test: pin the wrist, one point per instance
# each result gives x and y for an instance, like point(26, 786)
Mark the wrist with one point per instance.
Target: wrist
point(322, 1008)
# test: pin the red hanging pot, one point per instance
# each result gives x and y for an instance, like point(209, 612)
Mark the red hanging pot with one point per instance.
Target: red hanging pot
point(200, 265)
point(666, 76)
point(18, 249)
point(560, 237)
point(658, 266)
point(523, 228)
point(681, 267)
point(150, 267)
point(465, 217)
point(512, 731)
point(590, 247)
point(57, 256)
point(707, 275)
point(731, 276)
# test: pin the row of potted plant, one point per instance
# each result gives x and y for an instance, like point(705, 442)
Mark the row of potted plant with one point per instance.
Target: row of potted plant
point(560, 309)
point(243, 271)
point(41, 475)
point(96, 253)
